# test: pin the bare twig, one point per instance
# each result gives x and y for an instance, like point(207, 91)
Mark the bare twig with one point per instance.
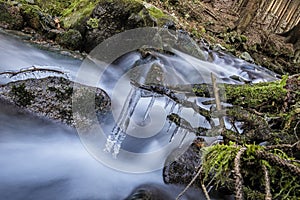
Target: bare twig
point(159, 89)
point(191, 183)
point(205, 191)
point(182, 123)
point(267, 183)
point(33, 69)
point(217, 98)
point(295, 130)
point(238, 176)
point(283, 146)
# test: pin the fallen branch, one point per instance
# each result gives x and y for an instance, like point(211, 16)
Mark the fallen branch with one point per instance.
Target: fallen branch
point(33, 69)
point(217, 98)
point(163, 90)
point(182, 123)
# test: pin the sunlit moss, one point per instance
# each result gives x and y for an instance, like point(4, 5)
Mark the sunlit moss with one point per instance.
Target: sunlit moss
point(218, 165)
point(77, 11)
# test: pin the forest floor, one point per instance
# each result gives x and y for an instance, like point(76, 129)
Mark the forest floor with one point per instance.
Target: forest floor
point(215, 23)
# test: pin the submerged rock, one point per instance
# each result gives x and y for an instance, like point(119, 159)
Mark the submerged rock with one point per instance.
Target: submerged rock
point(152, 191)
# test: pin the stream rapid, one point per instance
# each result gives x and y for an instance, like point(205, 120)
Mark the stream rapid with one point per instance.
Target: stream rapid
point(41, 159)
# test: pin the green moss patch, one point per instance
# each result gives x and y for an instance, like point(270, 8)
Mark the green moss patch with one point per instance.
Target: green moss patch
point(262, 96)
point(77, 11)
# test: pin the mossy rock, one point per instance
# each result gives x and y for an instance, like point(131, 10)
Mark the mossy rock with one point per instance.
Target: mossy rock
point(37, 19)
point(77, 12)
point(100, 19)
point(110, 18)
point(10, 16)
point(71, 39)
point(266, 97)
point(31, 16)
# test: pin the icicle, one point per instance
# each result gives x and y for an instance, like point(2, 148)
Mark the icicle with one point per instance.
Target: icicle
point(110, 141)
point(195, 113)
point(174, 133)
point(170, 125)
point(124, 109)
point(185, 132)
point(119, 139)
point(150, 105)
point(168, 100)
point(116, 151)
point(180, 107)
point(115, 139)
point(173, 107)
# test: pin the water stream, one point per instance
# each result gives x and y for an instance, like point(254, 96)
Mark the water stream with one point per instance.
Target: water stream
point(41, 159)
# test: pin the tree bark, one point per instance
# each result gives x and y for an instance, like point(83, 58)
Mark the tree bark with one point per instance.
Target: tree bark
point(248, 13)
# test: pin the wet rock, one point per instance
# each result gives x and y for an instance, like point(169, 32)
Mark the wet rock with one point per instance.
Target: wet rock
point(10, 16)
point(97, 22)
point(181, 167)
point(50, 97)
point(152, 191)
point(35, 18)
point(71, 39)
point(112, 17)
point(246, 56)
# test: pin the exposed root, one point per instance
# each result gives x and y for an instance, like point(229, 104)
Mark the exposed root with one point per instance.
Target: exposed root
point(273, 159)
point(238, 176)
point(267, 183)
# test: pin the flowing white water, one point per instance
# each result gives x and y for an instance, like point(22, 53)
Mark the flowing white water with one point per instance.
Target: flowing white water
point(16, 55)
point(41, 159)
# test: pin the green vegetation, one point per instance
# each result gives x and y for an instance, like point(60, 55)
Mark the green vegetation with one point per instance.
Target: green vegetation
point(93, 23)
point(261, 96)
point(155, 12)
point(77, 12)
point(219, 166)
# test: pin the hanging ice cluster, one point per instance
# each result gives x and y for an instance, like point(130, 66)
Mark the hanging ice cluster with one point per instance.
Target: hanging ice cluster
point(118, 134)
point(115, 139)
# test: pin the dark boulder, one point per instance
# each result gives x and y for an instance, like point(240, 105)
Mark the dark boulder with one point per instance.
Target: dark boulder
point(10, 16)
point(70, 39)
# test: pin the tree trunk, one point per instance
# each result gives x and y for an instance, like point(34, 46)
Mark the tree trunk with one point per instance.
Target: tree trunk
point(248, 12)
point(293, 36)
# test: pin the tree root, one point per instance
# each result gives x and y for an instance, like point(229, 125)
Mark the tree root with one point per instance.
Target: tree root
point(238, 176)
point(275, 160)
point(267, 183)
